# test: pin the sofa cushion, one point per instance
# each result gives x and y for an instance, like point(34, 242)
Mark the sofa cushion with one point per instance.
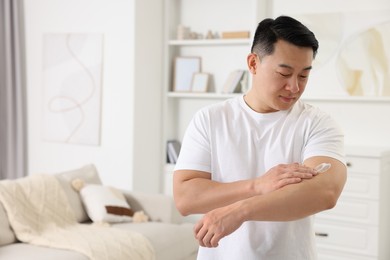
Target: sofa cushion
point(89, 175)
point(7, 235)
point(22, 251)
point(170, 241)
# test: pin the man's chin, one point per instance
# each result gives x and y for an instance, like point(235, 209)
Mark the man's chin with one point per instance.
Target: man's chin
point(285, 106)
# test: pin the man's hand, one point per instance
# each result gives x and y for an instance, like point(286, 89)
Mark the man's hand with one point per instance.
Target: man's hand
point(282, 175)
point(217, 224)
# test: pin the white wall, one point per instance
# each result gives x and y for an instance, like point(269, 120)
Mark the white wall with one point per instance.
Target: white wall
point(365, 122)
point(147, 155)
point(114, 158)
point(130, 152)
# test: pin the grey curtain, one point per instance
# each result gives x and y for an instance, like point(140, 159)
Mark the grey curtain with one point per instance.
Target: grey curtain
point(13, 123)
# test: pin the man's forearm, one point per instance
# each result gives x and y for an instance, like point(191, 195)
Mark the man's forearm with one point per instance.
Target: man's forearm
point(200, 195)
point(195, 192)
point(296, 201)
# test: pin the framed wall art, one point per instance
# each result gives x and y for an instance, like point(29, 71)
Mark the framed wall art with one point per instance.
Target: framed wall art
point(72, 81)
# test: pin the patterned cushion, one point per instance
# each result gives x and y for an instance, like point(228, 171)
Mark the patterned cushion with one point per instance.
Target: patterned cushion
point(89, 175)
point(105, 204)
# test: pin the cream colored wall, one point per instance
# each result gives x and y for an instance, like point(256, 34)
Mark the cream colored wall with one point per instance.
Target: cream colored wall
point(130, 152)
point(365, 121)
point(118, 158)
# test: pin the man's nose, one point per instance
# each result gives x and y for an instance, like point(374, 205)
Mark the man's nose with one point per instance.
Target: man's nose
point(293, 85)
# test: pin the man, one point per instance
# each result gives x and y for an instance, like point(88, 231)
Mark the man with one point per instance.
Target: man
point(248, 163)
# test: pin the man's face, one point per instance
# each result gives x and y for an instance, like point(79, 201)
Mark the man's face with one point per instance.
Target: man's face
point(280, 79)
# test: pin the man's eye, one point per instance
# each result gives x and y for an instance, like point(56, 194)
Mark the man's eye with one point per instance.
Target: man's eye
point(284, 75)
point(303, 76)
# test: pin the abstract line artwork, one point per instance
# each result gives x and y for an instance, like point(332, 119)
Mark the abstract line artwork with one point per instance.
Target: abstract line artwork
point(72, 76)
point(353, 58)
point(364, 62)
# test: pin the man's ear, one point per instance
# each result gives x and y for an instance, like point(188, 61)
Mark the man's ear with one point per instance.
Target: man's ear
point(251, 62)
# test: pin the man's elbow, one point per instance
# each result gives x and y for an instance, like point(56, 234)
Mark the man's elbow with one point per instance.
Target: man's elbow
point(333, 190)
point(181, 199)
point(182, 206)
point(331, 197)
point(330, 202)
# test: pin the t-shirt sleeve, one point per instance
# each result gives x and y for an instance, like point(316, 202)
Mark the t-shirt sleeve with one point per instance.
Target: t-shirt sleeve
point(326, 139)
point(195, 152)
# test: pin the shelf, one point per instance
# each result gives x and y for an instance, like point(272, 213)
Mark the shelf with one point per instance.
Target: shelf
point(209, 95)
point(210, 42)
point(202, 95)
point(359, 99)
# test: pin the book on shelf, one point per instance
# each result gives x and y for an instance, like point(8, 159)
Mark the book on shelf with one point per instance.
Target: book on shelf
point(173, 150)
point(233, 82)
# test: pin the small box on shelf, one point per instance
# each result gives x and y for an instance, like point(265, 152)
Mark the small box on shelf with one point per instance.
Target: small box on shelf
point(236, 35)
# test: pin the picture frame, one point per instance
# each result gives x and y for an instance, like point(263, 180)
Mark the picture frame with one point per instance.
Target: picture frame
point(184, 70)
point(200, 82)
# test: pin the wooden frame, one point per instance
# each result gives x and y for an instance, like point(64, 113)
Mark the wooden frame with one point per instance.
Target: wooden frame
point(200, 82)
point(184, 70)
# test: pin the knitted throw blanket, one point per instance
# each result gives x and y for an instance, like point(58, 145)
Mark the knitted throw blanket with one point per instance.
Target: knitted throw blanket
point(40, 214)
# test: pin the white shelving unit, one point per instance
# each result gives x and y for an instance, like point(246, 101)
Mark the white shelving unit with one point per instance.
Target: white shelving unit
point(219, 57)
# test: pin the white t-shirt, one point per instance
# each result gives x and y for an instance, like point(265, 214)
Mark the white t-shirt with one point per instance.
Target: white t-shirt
point(233, 142)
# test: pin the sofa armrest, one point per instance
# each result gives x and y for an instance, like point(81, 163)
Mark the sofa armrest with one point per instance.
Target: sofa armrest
point(158, 207)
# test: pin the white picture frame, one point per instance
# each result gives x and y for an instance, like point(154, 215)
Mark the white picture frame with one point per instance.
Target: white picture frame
point(200, 82)
point(184, 69)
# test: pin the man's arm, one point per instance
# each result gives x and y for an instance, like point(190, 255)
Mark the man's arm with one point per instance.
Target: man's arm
point(306, 198)
point(289, 203)
point(195, 192)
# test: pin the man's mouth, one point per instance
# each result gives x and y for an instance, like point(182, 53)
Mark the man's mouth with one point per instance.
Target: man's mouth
point(287, 99)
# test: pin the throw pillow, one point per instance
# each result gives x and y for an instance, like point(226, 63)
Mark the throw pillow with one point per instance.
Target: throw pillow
point(103, 203)
point(88, 174)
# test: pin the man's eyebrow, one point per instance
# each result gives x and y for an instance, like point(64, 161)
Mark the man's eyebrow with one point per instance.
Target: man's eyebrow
point(285, 66)
point(282, 65)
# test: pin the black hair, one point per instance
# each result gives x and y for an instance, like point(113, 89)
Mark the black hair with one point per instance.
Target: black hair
point(286, 28)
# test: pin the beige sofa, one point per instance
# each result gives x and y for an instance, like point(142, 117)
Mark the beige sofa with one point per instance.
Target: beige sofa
point(170, 238)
